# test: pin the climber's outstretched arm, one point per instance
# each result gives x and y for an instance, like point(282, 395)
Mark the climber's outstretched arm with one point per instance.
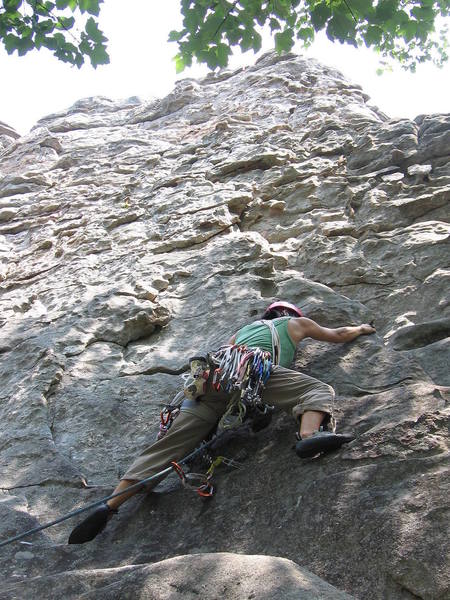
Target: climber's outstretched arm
point(303, 328)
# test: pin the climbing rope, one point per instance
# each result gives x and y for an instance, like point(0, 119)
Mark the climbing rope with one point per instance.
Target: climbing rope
point(141, 484)
point(241, 371)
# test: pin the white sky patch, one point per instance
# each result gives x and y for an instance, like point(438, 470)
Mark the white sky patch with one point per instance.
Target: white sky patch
point(38, 84)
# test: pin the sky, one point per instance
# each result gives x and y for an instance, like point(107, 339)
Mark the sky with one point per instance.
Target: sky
point(141, 65)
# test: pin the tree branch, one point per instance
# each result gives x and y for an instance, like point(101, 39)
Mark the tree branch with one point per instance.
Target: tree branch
point(225, 18)
point(350, 9)
point(55, 19)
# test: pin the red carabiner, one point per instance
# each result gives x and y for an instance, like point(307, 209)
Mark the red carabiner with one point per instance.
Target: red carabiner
point(216, 379)
point(164, 421)
point(206, 490)
point(179, 471)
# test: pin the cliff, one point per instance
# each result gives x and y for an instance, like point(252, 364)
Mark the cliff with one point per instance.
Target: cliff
point(134, 234)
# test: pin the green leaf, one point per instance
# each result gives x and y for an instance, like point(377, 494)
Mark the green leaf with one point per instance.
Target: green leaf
point(274, 24)
point(284, 40)
point(423, 13)
point(25, 31)
point(423, 31)
point(191, 20)
point(306, 34)
point(49, 43)
point(79, 60)
point(400, 17)
point(257, 42)
point(210, 58)
point(246, 39)
point(11, 5)
point(341, 27)
point(320, 15)
point(409, 30)
point(361, 8)
point(233, 36)
point(65, 23)
point(11, 42)
point(223, 52)
point(99, 56)
point(386, 10)
point(46, 26)
point(93, 31)
point(212, 26)
point(281, 8)
point(180, 64)
point(175, 36)
point(261, 18)
point(39, 40)
point(90, 6)
point(373, 35)
point(291, 20)
point(84, 46)
point(24, 45)
point(59, 39)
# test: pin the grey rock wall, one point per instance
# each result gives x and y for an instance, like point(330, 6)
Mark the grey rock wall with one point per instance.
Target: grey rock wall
point(133, 234)
point(7, 135)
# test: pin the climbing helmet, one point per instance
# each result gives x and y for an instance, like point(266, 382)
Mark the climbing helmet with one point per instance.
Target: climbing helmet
point(294, 310)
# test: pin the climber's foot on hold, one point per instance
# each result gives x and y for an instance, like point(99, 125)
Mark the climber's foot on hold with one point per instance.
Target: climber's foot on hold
point(94, 524)
point(321, 441)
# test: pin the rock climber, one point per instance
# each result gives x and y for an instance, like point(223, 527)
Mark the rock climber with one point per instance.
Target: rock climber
point(309, 400)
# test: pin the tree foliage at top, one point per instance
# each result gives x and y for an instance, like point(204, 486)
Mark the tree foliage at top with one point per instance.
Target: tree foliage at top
point(404, 30)
point(29, 24)
point(408, 31)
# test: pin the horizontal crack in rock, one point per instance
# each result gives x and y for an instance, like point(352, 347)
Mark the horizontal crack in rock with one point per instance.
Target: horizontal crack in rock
point(158, 369)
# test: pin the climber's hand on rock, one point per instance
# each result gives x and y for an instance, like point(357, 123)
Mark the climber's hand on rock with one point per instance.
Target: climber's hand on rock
point(367, 328)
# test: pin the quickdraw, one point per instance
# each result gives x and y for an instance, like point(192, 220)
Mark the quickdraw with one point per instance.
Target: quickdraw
point(168, 414)
point(201, 482)
point(242, 372)
point(198, 482)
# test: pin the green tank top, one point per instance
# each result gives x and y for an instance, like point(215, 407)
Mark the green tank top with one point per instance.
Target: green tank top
point(258, 335)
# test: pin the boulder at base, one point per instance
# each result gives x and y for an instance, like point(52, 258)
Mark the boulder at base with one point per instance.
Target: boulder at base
point(206, 576)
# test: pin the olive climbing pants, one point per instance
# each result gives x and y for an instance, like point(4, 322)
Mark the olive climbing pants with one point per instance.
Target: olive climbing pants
point(286, 389)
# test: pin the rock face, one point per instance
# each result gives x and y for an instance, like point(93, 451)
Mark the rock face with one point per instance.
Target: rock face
point(7, 135)
point(133, 235)
point(218, 575)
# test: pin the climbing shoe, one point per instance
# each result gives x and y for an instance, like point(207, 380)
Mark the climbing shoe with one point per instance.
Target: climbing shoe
point(94, 524)
point(321, 441)
point(195, 385)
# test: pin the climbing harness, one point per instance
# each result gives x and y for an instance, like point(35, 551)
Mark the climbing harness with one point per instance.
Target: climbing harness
point(237, 370)
point(243, 373)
